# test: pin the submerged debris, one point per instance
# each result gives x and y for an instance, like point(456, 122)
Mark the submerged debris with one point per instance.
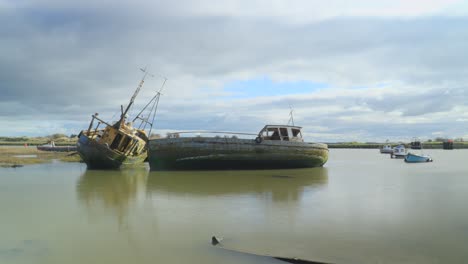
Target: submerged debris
point(217, 242)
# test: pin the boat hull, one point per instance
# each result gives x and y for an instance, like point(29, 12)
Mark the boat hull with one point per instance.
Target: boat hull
point(57, 148)
point(99, 156)
point(386, 151)
point(398, 156)
point(413, 158)
point(229, 153)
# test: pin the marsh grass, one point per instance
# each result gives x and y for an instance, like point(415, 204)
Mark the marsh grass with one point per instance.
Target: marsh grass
point(8, 156)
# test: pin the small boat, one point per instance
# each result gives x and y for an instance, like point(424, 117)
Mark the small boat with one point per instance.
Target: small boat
point(386, 149)
point(52, 147)
point(399, 152)
point(415, 144)
point(413, 158)
point(120, 143)
point(275, 146)
point(447, 144)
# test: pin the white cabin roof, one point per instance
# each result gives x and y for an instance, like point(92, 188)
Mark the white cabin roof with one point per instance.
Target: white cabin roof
point(279, 126)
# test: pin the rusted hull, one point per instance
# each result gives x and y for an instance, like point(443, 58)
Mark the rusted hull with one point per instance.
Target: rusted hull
point(98, 156)
point(228, 153)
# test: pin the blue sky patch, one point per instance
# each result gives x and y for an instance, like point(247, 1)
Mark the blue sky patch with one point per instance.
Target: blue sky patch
point(264, 86)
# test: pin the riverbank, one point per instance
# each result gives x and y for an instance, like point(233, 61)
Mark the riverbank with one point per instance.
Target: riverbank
point(426, 145)
point(17, 156)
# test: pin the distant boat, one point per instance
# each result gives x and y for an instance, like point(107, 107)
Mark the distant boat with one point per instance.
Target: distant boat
point(399, 152)
point(413, 158)
point(52, 147)
point(120, 143)
point(386, 149)
point(276, 146)
point(447, 144)
point(415, 144)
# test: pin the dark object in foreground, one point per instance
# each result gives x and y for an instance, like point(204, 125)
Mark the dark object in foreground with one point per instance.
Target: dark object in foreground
point(216, 242)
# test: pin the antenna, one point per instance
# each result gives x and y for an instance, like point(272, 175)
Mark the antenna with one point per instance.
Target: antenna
point(151, 107)
point(291, 118)
point(132, 100)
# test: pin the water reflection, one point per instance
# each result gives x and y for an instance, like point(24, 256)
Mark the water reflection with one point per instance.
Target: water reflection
point(282, 185)
point(119, 193)
point(114, 190)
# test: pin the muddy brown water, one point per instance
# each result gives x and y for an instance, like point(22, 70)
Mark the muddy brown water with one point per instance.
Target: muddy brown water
point(362, 207)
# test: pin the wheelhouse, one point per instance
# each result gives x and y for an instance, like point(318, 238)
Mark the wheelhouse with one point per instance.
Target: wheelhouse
point(121, 137)
point(282, 133)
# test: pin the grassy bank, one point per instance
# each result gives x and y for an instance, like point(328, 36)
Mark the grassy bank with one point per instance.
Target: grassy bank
point(35, 141)
point(19, 155)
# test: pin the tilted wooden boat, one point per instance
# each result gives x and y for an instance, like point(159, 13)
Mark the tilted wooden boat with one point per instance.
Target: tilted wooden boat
point(120, 143)
point(276, 146)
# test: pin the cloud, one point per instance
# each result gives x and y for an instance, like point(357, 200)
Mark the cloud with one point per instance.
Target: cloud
point(389, 69)
point(296, 10)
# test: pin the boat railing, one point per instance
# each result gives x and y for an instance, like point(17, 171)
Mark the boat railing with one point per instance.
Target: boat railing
point(93, 129)
point(201, 133)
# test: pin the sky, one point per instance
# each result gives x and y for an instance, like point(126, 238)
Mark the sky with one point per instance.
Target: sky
point(360, 70)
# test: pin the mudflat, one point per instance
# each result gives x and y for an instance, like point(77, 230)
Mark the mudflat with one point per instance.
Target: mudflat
point(16, 156)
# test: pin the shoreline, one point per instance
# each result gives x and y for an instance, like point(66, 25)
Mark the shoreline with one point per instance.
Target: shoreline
point(426, 145)
point(19, 156)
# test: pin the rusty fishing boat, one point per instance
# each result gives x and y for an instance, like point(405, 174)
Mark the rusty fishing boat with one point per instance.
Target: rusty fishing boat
point(120, 143)
point(274, 147)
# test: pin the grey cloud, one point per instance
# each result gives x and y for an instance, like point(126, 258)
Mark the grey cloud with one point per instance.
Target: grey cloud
point(67, 63)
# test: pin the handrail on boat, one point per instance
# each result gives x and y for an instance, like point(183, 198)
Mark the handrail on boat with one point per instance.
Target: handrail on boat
point(102, 121)
point(210, 132)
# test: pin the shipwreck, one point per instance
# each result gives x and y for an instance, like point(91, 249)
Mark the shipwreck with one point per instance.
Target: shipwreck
point(120, 143)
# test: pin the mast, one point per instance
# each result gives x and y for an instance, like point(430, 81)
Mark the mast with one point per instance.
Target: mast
point(132, 100)
point(151, 112)
point(291, 118)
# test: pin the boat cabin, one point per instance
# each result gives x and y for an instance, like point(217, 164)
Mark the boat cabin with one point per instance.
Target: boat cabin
point(282, 133)
point(121, 137)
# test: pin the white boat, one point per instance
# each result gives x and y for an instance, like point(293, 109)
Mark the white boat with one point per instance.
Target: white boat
point(386, 149)
point(399, 152)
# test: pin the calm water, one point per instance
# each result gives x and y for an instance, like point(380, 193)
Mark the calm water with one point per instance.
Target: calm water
point(362, 207)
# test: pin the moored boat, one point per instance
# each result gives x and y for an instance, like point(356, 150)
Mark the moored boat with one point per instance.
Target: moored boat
point(399, 152)
point(386, 149)
point(414, 158)
point(276, 146)
point(415, 144)
point(120, 143)
point(52, 147)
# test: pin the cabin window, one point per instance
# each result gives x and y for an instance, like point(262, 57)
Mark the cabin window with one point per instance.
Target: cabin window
point(296, 132)
point(125, 143)
point(284, 133)
point(116, 141)
point(274, 133)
